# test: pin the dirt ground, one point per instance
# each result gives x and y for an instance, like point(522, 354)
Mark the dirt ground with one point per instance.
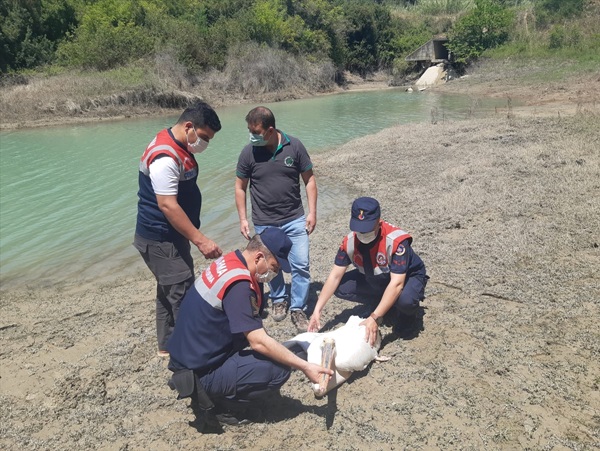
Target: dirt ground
point(505, 212)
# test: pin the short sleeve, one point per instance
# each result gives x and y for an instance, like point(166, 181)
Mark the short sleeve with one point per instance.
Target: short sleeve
point(164, 175)
point(342, 258)
point(401, 258)
point(244, 165)
point(239, 304)
point(304, 161)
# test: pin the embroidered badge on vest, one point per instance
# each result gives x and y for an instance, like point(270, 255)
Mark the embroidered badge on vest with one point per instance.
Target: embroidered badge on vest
point(381, 259)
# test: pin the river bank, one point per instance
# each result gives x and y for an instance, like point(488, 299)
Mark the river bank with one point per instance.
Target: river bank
point(540, 89)
point(55, 101)
point(504, 212)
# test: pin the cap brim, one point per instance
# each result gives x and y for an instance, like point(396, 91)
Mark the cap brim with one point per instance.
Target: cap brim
point(362, 226)
point(284, 264)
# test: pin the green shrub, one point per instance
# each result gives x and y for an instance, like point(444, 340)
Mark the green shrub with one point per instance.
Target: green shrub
point(557, 37)
point(485, 27)
point(29, 31)
point(561, 36)
point(439, 7)
point(111, 34)
point(551, 11)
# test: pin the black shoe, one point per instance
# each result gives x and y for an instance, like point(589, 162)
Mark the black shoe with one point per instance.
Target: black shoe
point(206, 422)
point(211, 422)
point(235, 413)
point(408, 327)
point(390, 318)
point(228, 419)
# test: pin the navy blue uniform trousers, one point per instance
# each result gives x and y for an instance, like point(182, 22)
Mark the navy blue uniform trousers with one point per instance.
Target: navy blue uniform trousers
point(245, 376)
point(355, 287)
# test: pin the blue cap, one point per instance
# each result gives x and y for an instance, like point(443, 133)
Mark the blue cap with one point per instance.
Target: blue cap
point(278, 244)
point(365, 214)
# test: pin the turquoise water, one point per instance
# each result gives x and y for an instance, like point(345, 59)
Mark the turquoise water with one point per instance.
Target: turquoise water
point(68, 194)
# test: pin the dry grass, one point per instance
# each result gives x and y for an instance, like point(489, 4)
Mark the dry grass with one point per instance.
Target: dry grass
point(252, 73)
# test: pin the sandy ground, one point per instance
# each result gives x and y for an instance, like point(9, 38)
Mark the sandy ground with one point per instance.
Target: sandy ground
point(505, 212)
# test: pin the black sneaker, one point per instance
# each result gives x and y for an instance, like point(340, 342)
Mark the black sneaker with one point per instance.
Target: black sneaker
point(228, 419)
point(235, 413)
point(408, 327)
point(206, 422)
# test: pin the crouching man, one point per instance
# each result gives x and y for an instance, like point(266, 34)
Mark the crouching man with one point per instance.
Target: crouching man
point(389, 276)
point(220, 316)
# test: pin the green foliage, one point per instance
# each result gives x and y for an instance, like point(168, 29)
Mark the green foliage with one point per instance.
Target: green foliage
point(438, 7)
point(368, 37)
point(548, 11)
point(30, 31)
point(561, 36)
point(486, 26)
point(111, 33)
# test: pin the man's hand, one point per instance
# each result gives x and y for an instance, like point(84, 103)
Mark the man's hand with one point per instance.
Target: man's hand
point(245, 228)
point(314, 371)
point(311, 222)
point(314, 325)
point(209, 249)
point(371, 330)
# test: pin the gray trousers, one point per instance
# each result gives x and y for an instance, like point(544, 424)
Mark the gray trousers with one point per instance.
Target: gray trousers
point(173, 268)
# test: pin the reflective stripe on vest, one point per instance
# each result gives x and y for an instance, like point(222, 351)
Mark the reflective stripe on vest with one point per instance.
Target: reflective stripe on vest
point(149, 156)
point(211, 294)
point(211, 285)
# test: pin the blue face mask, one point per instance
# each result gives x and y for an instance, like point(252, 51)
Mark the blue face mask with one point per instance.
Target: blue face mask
point(257, 140)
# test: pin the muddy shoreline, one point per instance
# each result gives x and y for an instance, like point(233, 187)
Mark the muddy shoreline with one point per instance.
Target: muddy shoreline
point(505, 213)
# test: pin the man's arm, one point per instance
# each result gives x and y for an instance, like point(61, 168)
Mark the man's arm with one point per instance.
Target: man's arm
point(331, 284)
point(241, 186)
point(388, 299)
point(179, 220)
point(310, 183)
point(261, 342)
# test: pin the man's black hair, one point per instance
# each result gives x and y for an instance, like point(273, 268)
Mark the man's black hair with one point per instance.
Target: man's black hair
point(261, 115)
point(201, 114)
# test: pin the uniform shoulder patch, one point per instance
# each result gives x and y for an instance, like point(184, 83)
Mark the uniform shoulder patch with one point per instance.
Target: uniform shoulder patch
point(254, 302)
point(401, 250)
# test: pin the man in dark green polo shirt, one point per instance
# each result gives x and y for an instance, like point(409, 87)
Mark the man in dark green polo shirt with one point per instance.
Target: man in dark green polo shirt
point(273, 163)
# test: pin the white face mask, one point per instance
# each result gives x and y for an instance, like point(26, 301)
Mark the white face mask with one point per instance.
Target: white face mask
point(197, 147)
point(366, 238)
point(267, 276)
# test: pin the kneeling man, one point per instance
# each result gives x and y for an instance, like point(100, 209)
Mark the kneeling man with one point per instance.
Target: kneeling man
point(389, 276)
point(220, 316)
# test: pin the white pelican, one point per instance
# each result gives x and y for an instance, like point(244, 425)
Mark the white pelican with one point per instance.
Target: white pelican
point(344, 350)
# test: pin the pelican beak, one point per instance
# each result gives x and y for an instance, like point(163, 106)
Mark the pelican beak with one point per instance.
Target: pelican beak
point(327, 361)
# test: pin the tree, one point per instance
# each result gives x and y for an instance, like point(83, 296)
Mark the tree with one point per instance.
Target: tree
point(30, 31)
point(485, 27)
point(111, 34)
